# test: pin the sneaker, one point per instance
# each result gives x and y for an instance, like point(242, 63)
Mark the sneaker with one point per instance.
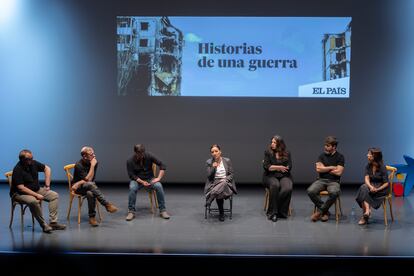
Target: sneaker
point(164, 215)
point(130, 216)
point(57, 226)
point(47, 229)
point(93, 222)
point(316, 216)
point(111, 208)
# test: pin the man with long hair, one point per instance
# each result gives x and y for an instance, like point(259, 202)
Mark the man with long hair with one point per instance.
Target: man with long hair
point(139, 168)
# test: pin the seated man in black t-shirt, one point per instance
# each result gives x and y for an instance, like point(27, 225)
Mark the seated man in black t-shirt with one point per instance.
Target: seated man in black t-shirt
point(330, 166)
point(84, 183)
point(25, 189)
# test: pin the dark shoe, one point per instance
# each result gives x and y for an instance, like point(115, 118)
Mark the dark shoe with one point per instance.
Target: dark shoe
point(362, 221)
point(221, 217)
point(274, 218)
point(269, 216)
point(57, 226)
point(316, 216)
point(111, 208)
point(93, 222)
point(47, 229)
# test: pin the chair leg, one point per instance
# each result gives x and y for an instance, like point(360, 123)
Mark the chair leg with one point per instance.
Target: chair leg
point(384, 205)
point(340, 206)
point(290, 210)
point(337, 210)
point(21, 215)
point(390, 203)
point(79, 209)
point(156, 200)
point(33, 223)
point(231, 207)
point(205, 212)
point(12, 214)
point(151, 202)
point(70, 207)
point(266, 201)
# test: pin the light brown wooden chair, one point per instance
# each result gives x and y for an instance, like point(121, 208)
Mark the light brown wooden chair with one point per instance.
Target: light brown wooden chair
point(338, 207)
point(266, 202)
point(72, 195)
point(388, 197)
point(23, 206)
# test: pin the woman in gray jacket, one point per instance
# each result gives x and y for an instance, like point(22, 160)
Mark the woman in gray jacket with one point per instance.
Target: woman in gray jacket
point(220, 179)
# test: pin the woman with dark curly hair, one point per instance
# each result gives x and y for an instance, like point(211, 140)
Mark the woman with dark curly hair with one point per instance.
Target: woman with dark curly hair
point(372, 192)
point(277, 165)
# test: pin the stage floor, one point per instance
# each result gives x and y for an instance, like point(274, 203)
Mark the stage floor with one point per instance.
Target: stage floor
point(187, 232)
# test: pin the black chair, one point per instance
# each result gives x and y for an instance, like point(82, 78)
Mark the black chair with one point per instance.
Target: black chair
point(208, 209)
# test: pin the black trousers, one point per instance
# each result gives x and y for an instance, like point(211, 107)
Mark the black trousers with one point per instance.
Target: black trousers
point(280, 194)
point(220, 204)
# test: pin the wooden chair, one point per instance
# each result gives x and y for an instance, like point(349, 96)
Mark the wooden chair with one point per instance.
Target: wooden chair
point(338, 208)
point(23, 206)
point(266, 202)
point(388, 197)
point(72, 195)
point(152, 195)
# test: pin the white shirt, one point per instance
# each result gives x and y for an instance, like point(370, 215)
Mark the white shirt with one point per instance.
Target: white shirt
point(220, 171)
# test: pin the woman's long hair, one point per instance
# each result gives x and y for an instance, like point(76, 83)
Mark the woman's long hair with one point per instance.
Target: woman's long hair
point(280, 147)
point(377, 161)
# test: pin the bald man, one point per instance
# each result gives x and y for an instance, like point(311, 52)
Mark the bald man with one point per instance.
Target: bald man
point(25, 189)
point(84, 184)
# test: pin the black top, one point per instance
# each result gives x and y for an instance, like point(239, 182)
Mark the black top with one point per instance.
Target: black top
point(270, 159)
point(81, 171)
point(331, 160)
point(144, 171)
point(379, 177)
point(28, 175)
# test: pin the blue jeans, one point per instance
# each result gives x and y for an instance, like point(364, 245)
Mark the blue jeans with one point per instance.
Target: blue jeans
point(133, 189)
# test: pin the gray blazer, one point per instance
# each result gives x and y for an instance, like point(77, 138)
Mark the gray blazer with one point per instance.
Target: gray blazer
point(211, 172)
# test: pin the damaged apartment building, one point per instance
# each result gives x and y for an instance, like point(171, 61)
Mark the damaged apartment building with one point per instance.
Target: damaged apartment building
point(337, 54)
point(149, 52)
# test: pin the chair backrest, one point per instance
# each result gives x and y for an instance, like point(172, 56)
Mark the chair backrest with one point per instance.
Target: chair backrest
point(391, 174)
point(9, 177)
point(69, 175)
point(154, 169)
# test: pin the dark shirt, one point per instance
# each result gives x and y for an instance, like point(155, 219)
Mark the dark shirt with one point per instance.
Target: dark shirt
point(81, 171)
point(327, 160)
point(379, 177)
point(270, 159)
point(143, 171)
point(28, 175)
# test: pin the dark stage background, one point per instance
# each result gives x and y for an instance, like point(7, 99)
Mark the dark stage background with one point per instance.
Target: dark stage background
point(58, 86)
